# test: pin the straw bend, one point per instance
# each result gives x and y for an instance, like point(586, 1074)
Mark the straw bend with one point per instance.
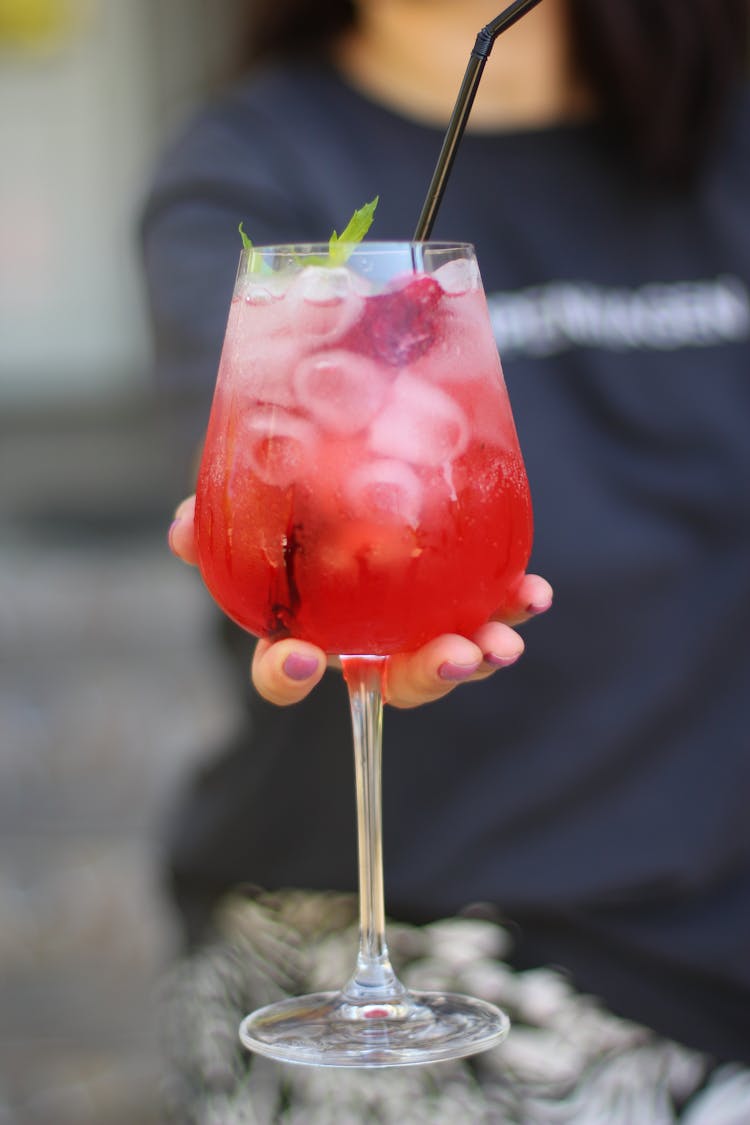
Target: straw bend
point(483, 44)
point(506, 19)
point(479, 55)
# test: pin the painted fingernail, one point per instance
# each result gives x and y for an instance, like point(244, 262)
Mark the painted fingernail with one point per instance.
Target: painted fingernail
point(456, 672)
point(496, 661)
point(535, 608)
point(299, 667)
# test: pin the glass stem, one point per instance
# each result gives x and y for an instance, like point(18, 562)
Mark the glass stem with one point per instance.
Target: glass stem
point(374, 979)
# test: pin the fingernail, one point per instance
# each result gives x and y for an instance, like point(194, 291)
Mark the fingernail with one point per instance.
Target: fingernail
point(535, 608)
point(496, 661)
point(456, 672)
point(299, 667)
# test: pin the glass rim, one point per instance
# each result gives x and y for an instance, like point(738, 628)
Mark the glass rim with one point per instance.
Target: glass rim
point(375, 246)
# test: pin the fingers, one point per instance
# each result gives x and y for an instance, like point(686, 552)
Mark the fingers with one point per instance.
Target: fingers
point(284, 672)
point(533, 596)
point(441, 665)
point(181, 535)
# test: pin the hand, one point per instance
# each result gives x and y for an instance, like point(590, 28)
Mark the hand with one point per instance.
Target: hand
point(286, 671)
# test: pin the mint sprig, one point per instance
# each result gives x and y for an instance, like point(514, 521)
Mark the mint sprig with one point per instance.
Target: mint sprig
point(246, 242)
point(340, 246)
point(255, 263)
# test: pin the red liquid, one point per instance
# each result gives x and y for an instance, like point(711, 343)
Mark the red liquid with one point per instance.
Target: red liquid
point(361, 485)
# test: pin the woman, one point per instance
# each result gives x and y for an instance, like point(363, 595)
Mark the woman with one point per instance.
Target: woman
point(594, 795)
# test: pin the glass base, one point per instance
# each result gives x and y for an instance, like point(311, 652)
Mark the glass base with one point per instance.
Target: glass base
point(326, 1029)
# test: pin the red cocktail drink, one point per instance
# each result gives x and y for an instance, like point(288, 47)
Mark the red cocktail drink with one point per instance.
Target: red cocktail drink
point(362, 488)
point(362, 485)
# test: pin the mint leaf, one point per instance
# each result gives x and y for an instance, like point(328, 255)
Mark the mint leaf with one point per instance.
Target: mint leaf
point(354, 231)
point(255, 262)
point(339, 245)
point(246, 243)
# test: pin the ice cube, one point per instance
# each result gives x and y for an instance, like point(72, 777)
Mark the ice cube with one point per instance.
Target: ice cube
point(459, 276)
point(279, 446)
point(342, 391)
point(259, 353)
point(419, 423)
point(385, 490)
point(323, 285)
point(466, 349)
point(262, 289)
point(263, 372)
point(323, 304)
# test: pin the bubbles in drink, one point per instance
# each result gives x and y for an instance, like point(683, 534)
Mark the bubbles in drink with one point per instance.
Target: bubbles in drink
point(343, 392)
point(385, 490)
point(419, 424)
point(278, 446)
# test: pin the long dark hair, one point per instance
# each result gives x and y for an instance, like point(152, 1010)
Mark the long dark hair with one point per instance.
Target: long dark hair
point(661, 71)
point(284, 28)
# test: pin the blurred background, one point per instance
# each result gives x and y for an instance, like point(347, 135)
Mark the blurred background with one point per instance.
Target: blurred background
point(111, 685)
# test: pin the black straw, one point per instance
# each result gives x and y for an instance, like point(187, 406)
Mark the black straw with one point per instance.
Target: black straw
point(479, 55)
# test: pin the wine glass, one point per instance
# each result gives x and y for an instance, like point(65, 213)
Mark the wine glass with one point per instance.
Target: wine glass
point(362, 488)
